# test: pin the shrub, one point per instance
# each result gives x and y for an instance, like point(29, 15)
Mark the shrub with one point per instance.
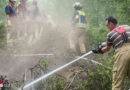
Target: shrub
point(96, 35)
point(2, 34)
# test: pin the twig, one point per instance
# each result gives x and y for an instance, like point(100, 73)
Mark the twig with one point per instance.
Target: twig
point(71, 81)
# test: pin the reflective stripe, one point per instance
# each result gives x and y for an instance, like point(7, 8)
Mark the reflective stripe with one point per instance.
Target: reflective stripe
point(81, 22)
point(81, 13)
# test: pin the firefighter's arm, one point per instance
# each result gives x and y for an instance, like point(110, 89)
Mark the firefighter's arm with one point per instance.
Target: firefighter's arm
point(75, 19)
point(101, 49)
point(106, 49)
point(8, 20)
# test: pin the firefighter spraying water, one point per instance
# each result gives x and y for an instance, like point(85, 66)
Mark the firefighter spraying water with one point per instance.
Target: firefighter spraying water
point(79, 29)
point(118, 37)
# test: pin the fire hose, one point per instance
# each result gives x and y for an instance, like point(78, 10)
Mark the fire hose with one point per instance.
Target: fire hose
point(54, 71)
point(58, 69)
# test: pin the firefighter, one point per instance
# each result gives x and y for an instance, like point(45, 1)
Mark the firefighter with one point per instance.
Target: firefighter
point(21, 9)
point(119, 38)
point(33, 10)
point(21, 17)
point(11, 14)
point(79, 26)
point(33, 13)
point(10, 11)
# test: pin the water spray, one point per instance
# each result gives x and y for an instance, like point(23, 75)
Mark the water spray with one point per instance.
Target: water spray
point(92, 61)
point(54, 71)
point(96, 62)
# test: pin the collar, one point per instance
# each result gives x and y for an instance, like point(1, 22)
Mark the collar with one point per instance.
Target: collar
point(116, 26)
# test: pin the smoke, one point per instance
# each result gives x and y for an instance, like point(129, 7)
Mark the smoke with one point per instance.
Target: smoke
point(47, 33)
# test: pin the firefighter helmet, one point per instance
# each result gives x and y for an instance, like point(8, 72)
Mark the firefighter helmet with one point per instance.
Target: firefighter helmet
point(77, 5)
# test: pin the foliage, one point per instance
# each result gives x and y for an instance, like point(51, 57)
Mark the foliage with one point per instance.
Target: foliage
point(2, 34)
point(15, 84)
point(2, 9)
point(101, 79)
point(96, 35)
point(124, 11)
point(44, 64)
point(127, 84)
point(57, 82)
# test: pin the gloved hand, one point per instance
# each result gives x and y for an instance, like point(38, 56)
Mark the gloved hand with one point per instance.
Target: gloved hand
point(98, 49)
point(9, 24)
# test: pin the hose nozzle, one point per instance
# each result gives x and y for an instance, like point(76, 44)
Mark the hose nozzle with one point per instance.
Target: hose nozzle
point(103, 44)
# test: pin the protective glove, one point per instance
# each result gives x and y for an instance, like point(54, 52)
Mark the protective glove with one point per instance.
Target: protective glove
point(9, 24)
point(98, 49)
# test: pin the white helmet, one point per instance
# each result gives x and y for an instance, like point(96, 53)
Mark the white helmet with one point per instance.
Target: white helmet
point(77, 5)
